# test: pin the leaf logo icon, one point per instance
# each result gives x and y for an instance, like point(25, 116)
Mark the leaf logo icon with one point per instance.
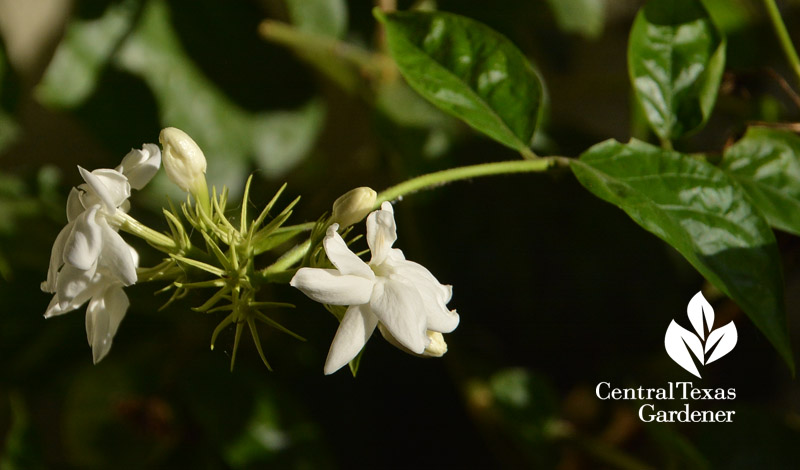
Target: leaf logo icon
point(681, 344)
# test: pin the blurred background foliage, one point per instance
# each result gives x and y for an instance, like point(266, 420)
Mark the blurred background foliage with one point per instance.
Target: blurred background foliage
point(557, 291)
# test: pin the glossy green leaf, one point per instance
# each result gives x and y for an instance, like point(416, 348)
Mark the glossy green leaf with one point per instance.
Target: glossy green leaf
point(676, 57)
point(468, 70)
point(702, 213)
point(326, 17)
point(766, 162)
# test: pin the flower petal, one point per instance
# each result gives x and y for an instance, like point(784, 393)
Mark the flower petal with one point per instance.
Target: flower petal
point(139, 166)
point(74, 205)
point(340, 255)
point(56, 258)
point(399, 306)
point(356, 328)
point(381, 233)
point(55, 308)
point(434, 295)
point(85, 241)
point(329, 286)
point(116, 255)
point(73, 288)
point(103, 316)
point(111, 186)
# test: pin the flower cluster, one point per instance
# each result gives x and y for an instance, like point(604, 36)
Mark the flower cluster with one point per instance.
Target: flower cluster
point(90, 261)
point(401, 296)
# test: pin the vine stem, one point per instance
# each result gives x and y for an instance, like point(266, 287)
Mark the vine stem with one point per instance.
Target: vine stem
point(428, 181)
point(783, 36)
point(466, 172)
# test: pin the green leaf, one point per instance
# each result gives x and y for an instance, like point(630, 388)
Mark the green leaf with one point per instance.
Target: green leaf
point(83, 54)
point(468, 70)
point(766, 162)
point(583, 17)
point(702, 213)
point(283, 138)
point(141, 41)
point(676, 57)
point(325, 17)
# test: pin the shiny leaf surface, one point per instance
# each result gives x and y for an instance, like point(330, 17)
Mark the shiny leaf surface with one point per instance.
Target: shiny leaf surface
point(676, 57)
point(766, 162)
point(703, 214)
point(468, 70)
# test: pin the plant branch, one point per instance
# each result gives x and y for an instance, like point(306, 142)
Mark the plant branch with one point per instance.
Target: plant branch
point(783, 36)
point(439, 178)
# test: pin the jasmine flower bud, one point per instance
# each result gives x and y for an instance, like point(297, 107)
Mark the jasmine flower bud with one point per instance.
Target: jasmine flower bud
point(353, 206)
point(184, 162)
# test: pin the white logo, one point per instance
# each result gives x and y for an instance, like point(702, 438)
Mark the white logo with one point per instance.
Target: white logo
point(679, 341)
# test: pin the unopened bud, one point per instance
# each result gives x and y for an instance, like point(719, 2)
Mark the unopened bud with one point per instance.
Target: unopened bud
point(183, 160)
point(353, 206)
point(436, 345)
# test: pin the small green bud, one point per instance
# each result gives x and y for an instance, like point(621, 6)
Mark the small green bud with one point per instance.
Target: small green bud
point(353, 206)
point(183, 160)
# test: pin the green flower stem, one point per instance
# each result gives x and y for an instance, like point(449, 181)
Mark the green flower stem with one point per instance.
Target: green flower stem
point(134, 227)
point(467, 172)
point(279, 269)
point(783, 36)
point(286, 261)
point(201, 197)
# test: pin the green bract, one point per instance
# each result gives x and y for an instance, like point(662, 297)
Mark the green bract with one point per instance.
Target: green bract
point(766, 163)
point(676, 57)
point(468, 70)
point(702, 213)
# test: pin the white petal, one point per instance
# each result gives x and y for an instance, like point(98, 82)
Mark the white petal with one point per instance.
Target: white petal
point(55, 308)
point(111, 186)
point(74, 287)
point(329, 286)
point(399, 307)
point(434, 295)
point(74, 206)
point(442, 320)
point(139, 166)
point(103, 316)
point(116, 256)
point(85, 241)
point(354, 331)
point(56, 258)
point(381, 233)
point(87, 197)
point(340, 255)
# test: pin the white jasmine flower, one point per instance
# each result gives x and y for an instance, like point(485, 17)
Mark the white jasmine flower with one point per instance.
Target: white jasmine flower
point(139, 166)
point(90, 261)
point(402, 295)
point(184, 162)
